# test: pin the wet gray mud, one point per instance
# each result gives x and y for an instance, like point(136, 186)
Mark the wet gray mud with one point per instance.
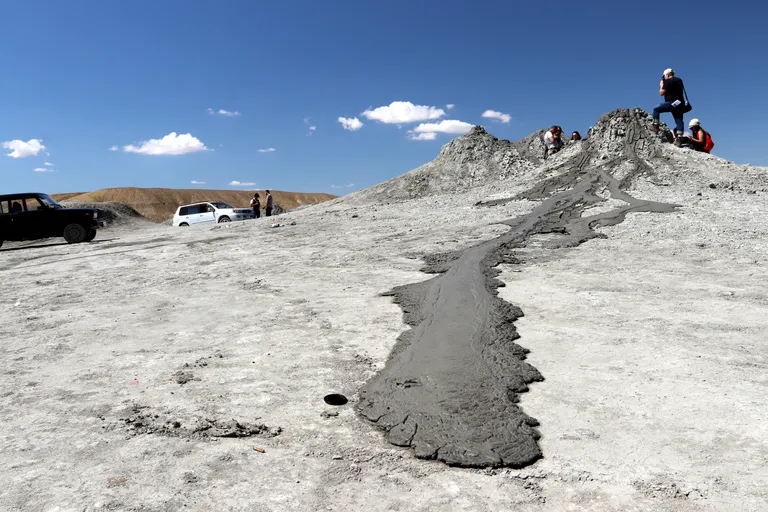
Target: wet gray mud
point(450, 387)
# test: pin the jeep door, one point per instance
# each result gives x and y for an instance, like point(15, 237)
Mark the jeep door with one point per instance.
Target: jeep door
point(37, 221)
point(207, 213)
point(16, 221)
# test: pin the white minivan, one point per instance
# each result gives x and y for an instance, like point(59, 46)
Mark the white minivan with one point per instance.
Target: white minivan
point(216, 211)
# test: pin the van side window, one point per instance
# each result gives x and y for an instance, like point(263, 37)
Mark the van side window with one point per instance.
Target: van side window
point(184, 210)
point(3, 207)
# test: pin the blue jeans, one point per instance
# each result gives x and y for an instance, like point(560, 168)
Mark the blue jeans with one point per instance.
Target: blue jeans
point(677, 113)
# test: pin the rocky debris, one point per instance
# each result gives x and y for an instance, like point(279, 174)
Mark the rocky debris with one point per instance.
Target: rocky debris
point(182, 377)
point(142, 420)
point(114, 212)
point(475, 159)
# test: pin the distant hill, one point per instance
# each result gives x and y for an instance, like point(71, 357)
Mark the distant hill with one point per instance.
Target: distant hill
point(159, 204)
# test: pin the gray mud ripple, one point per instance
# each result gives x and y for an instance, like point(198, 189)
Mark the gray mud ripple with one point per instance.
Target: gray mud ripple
point(450, 387)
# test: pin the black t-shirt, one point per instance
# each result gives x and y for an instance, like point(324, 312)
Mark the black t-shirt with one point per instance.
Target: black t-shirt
point(673, 90)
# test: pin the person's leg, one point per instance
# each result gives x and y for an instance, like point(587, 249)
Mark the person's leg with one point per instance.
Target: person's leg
point(269, 212)
point(663, 107)
point(679, 123)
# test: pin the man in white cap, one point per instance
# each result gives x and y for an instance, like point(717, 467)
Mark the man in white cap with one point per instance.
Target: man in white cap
point(671, 87)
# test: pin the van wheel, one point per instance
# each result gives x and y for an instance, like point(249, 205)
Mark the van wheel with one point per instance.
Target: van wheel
point(183, 225)
point(75, 233)
point(91, 235)
point(224, 219)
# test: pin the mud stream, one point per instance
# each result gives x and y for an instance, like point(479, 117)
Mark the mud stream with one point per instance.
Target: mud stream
point(450, 387)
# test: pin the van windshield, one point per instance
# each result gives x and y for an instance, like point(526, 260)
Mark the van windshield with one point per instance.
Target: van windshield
point(221, 204)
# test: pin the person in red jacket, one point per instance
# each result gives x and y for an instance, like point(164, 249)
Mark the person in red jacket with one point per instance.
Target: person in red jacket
point(700, 140)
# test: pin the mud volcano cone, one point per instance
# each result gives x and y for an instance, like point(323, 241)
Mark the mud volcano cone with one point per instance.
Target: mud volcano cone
point(449, 390)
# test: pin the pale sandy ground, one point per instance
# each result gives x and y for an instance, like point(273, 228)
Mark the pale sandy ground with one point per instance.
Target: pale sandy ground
point(652, 343)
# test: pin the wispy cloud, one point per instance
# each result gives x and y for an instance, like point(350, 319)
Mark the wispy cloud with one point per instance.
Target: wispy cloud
point(266, 150)
point(350, 185)
point(198, 182)
point(429, 131)
point(171, 144)
point(44, 169)
point(352, 124)
point(223, 113)
point(422, 136)
point(450, 106)
point(310, 126)
point(399, 112)
point(497, 116)
point(113, 148)
point(235, 183)
point(48, 164)
point(21, 149)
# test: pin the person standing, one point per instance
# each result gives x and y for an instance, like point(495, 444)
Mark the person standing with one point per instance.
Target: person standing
point(673, 90)
point(256, 205)
point(269, 204)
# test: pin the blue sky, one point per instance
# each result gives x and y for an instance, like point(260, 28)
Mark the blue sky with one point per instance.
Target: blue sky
point(84, 76)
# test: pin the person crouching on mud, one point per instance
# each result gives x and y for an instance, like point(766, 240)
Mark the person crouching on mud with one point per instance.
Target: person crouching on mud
point(552, 139)
point(671, 87)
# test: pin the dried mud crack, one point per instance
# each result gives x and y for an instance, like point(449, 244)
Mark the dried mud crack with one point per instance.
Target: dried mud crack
point(450, 387)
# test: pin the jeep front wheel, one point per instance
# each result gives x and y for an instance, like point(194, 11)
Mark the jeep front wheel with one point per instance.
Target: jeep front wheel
point(75, 233)
point(91, 235)
point(223, 219)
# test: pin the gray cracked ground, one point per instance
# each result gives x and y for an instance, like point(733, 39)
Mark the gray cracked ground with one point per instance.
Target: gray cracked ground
point(449, 390)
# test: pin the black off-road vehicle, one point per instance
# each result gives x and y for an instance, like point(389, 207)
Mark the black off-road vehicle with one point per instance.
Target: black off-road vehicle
point(33, 216)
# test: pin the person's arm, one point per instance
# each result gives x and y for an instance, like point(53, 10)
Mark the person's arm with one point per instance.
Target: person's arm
point(700, 137)
point(662, 92)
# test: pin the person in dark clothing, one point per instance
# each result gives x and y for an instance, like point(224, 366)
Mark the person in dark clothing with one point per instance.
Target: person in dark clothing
point(256, 205)
point(269, 204)
point(671, 87)
point(575, 136)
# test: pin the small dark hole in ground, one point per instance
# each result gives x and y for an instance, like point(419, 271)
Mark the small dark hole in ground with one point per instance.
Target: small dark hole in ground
point(335, 399)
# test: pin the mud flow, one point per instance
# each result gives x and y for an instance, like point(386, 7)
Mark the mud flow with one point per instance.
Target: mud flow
point(450, 388)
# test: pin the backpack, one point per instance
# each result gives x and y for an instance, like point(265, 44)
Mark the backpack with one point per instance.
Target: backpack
point(708, 142)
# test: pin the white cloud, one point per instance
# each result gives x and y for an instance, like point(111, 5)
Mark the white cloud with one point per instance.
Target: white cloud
point(223, 113)
point(21, 149)
point(450, 106)
point(43, 169)
point(351, 124)
point(48, 164)
point(113, 148)
point(350, 185)
point(403, 112)
point(422, 136)
point(171, 144)
point(234, 183)
point(444, 126)
point(198, 182)
point(497, 116)
point(266, 150)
